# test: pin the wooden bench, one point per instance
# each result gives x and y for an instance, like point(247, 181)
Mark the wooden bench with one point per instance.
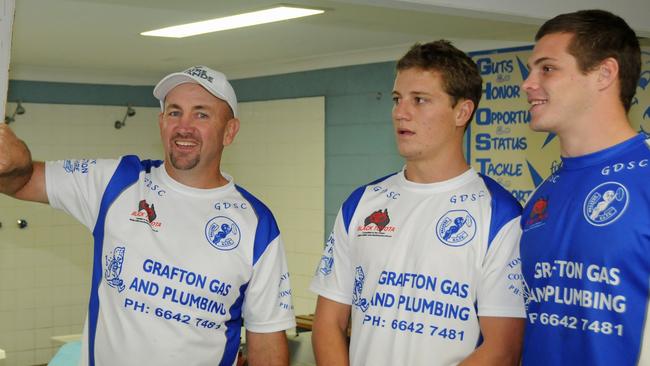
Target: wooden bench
point(304, 323)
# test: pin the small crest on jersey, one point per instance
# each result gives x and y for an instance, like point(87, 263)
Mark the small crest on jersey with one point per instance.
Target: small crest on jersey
point(327, 260)
point(379, 218)
point(146, 214)
point(538, 214)
point(456, 228)
point(376, 224)
point(114, 268)
point(605, 203)
point(222, 233)
point(71, 166)
point(357, 300)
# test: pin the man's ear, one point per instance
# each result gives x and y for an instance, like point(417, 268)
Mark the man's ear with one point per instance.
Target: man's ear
point(232, 127)
point(463, 111)
point(607, 73)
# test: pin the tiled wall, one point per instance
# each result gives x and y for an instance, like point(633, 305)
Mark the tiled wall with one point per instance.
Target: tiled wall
point(359, 141)
point(279, 156)
point(45, 268)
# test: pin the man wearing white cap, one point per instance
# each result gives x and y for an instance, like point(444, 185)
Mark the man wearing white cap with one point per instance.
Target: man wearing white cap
point(182, 255)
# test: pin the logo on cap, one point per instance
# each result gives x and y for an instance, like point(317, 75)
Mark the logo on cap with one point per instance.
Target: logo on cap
point(213, 81)
point(200, 73)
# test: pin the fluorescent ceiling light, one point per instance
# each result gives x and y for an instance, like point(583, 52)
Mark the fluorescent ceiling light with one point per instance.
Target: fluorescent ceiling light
point(236, 21)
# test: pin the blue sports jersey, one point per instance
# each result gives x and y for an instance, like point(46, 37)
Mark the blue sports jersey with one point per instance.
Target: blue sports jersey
point(585, 253)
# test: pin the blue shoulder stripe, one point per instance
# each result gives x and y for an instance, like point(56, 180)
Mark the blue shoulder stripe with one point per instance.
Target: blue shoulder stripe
point(350, 204)
point(233, 329)
point(148, 164)
point(127, 173)
point(505, 207)
point(267, 229)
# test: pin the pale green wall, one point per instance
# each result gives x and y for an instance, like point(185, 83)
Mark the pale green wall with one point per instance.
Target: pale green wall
point(359, 144)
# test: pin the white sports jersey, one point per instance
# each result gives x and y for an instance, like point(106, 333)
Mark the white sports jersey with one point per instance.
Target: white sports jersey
point(175, 268)
point(585, 254)
point(419, 263)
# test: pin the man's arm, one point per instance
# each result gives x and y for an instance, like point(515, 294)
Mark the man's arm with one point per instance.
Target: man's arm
point(502, 342)
point(19, 176)
point(330, 331)
point(267, 349)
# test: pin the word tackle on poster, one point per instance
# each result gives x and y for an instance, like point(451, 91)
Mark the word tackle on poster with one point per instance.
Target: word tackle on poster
point(500, 143)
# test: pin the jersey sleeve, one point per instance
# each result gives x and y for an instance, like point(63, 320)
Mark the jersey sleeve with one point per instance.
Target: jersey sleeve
point(334, 275)
point(267, 304)
point(500, 289)
point(77, 186)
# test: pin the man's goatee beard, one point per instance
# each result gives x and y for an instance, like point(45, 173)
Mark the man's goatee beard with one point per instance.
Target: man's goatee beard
point(183, 166)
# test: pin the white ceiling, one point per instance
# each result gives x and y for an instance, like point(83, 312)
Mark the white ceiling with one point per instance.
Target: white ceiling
point(99, 41)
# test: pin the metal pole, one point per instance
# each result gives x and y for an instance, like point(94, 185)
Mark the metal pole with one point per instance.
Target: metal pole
point(7, 10)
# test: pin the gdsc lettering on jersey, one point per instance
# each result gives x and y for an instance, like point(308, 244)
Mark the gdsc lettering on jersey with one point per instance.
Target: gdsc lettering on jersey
point(227, 205)
point(460, 198)
point(485, 141)
point(486, 66)
point(154, 187)
point(389, 194)
point(500, 169)
point(486, 117)
point(630, 165)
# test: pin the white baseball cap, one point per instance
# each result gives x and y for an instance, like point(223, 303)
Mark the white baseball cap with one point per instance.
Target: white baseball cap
point(213, 81)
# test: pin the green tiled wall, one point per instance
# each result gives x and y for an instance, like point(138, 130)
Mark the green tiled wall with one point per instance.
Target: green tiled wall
point(359, 144)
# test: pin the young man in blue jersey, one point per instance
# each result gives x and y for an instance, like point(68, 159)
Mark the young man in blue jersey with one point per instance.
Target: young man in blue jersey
point(586, 230)
point(174, 272)
point(423, 262)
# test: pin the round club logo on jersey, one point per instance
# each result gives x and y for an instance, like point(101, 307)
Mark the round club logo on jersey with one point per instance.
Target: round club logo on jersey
point(605, 203)
point(456, 228)
point(222, 233)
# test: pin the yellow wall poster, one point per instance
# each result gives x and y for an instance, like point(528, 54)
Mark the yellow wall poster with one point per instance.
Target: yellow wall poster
point(500, 144)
